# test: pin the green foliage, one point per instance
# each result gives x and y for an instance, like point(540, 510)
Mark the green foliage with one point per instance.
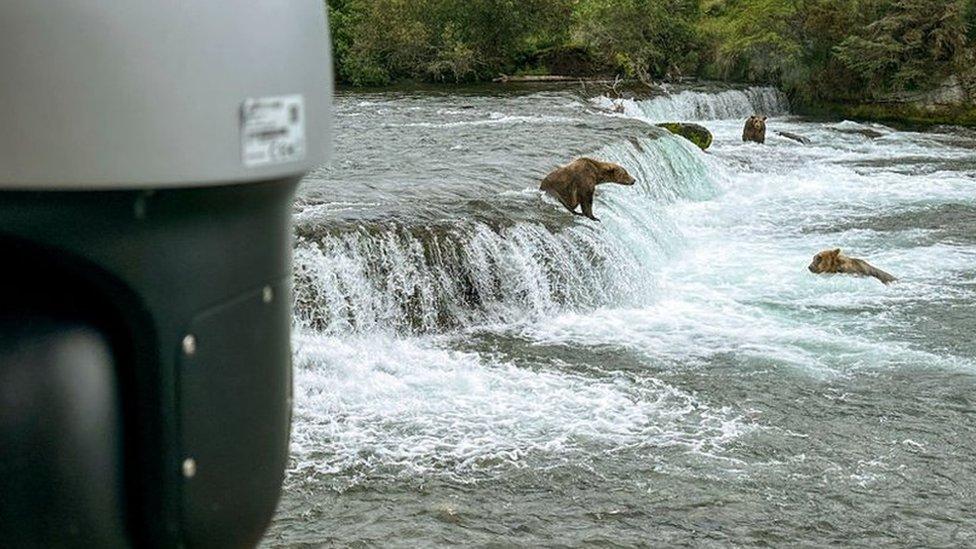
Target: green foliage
point(753, 40)
point(840, 50)
point(378, 41)
point(969, 16)
point(643, 38)
point(912, 43)
point(821, 24)
point(819, 50)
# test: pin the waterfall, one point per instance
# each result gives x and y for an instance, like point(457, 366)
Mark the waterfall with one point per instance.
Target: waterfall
point(693, 105)
point(399, 278)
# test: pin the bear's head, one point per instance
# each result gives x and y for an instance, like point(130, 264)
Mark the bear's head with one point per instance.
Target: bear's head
point(614, 173)
point(827, 261)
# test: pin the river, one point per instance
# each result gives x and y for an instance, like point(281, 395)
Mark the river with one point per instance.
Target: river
point(475, 366)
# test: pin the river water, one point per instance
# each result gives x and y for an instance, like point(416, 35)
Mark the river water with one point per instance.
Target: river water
point(473, 365)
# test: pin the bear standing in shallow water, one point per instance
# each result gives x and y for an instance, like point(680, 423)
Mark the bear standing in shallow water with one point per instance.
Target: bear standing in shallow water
point(575, 183)
point(755, 129)
point(832, 261)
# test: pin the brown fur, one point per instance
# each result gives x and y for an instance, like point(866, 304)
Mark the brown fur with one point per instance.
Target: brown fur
point(755, 129)
point(574, 184)
point(832, 261)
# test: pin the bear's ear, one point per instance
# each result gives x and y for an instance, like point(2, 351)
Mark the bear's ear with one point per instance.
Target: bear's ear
point(835, 251)
point(764, 118)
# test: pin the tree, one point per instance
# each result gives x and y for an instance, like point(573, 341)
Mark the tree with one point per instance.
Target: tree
point(644, 38)
point(911, 47)
point(378, 41)
point(754, 40)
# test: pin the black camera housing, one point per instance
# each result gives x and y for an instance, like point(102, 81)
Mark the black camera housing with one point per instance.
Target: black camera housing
point(145, 364)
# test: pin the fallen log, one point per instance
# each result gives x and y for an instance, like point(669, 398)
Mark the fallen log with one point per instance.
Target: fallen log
point(547, 78)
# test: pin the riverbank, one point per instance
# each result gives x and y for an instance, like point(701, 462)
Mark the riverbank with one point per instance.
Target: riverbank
point(899, 115)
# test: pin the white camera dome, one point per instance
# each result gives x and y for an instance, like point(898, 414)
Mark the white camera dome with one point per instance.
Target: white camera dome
point(104, 94)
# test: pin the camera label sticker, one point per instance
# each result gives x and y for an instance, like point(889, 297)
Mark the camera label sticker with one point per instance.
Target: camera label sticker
point(272, 130)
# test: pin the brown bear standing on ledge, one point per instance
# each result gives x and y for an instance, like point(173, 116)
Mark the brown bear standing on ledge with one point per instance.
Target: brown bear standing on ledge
point(755, 129)
point(832, 261)
point(575, 183)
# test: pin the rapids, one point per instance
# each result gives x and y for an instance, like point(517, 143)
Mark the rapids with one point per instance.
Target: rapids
point(473, 365)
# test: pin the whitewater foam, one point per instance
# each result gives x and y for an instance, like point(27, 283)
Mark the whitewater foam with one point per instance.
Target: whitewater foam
point(379, 406)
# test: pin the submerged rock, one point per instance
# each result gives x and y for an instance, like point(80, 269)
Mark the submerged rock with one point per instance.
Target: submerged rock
point(448, 514)
point(699, 135)
point(870, 134)
point(866, 132)
point(795, 137)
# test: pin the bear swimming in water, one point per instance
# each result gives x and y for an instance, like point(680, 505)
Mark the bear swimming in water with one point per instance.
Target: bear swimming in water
point(832, 261)
point(755, 129)
point(574, 184)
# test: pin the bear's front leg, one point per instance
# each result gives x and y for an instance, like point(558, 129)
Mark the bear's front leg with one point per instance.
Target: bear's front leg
point(587, 205)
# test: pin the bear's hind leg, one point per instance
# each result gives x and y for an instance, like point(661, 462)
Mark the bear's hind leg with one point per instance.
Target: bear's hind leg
point(571, 208)
point(568, 202)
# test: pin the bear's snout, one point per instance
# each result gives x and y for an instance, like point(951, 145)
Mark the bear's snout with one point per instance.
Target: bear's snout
point(812, 268)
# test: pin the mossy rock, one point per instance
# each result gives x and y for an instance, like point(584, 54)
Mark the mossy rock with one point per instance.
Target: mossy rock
point(699, 135)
